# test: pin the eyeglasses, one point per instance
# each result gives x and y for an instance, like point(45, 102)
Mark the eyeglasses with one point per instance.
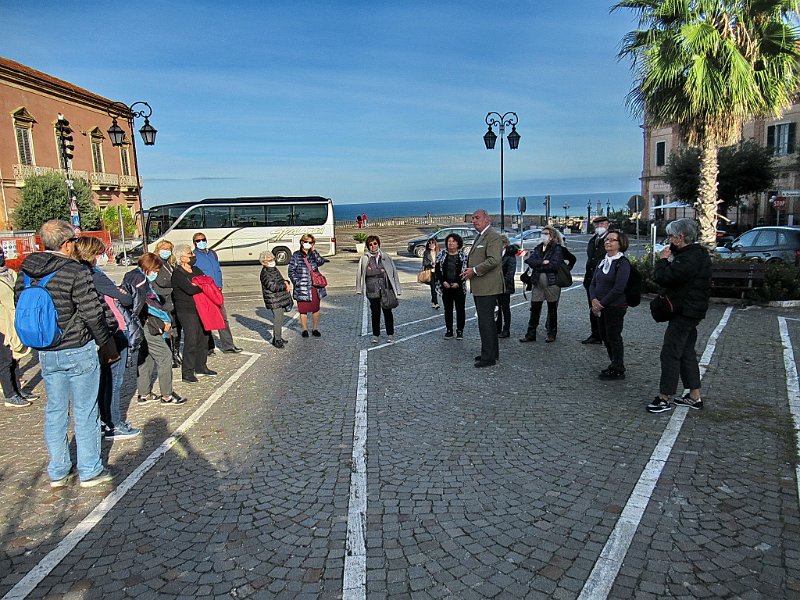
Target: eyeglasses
point(73, 239)
point(608, 239)
point(374, 244)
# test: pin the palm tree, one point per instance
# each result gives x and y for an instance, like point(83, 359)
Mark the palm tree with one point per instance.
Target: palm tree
point(709, 66)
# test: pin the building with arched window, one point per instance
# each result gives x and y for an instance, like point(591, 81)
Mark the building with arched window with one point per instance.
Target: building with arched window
point(30, 105)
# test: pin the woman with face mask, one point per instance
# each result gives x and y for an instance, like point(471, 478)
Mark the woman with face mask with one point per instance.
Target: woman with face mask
point(115, 301)
point(163, 287)
point(277, 298)
point(544, 261)
point(195, 338)
point(375, 276)
point(154, 354)
point(303, 262)
point(12, 349)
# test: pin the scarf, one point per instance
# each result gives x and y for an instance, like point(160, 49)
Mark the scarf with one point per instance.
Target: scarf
point(608, 260)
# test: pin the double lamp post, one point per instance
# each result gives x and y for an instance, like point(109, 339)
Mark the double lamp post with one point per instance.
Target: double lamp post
point(490, 138)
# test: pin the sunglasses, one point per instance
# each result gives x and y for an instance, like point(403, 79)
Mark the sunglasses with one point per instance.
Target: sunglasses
point(200, 240)
point(72, 239)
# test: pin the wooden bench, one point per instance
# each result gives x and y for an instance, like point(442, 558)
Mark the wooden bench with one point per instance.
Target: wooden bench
point(737, 276)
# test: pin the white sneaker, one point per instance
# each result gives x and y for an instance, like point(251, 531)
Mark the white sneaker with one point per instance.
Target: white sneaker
point(375, 339)
point(390, 339)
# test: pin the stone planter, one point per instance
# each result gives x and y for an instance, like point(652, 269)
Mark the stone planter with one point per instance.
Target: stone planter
point(361, 248)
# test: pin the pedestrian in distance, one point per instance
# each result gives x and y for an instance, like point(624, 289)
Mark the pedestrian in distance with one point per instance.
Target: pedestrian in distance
point(378, 281)
point(450, 263)
point(277, 295)
point(503, 321)
point(364, 219)
point(683, 271)
point(163, 287)
point(429, 264)
point(595, 252)
point(208, 263)
point(485, 274)
point(91, 252)
point(308, 296)
point(609, 305)
point(195, 338)
point(70, 365)
point(11, 347)
point(544, 261)
point(358, 221)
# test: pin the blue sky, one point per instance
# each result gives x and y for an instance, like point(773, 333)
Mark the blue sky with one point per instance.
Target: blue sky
point(358, 101)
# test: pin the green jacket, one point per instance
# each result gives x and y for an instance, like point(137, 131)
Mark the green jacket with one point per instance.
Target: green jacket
point(486, 257)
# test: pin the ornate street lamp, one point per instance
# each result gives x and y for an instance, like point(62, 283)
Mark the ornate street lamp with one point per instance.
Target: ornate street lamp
point(117, 136)
point(489, 139)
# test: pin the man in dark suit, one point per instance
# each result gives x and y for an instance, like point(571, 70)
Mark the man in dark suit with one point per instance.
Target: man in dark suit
point(485, 274)
point(595, 252)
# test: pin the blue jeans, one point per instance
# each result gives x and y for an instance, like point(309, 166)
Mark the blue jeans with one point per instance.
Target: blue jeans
point(72, 373)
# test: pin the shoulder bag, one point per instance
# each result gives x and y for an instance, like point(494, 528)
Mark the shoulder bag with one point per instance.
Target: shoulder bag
point(318, 280)
point(388, 297)
point(563, 276)
point(424, 276)
point(663, 308)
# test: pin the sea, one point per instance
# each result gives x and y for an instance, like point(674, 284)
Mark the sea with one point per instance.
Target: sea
point(576, 206)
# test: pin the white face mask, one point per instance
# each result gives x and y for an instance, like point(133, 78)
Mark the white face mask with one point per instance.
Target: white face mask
point(545, 239)
point(102, 260)
point(600, 230)
point(271, 263)
point(306, 246)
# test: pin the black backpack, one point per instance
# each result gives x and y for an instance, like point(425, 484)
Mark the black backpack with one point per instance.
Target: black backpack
point(633, 289)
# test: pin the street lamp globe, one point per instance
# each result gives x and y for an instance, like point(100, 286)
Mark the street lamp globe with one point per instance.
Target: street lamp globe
point(116, 134)
point(513, 138)
point(148, 133)
point(489, 138)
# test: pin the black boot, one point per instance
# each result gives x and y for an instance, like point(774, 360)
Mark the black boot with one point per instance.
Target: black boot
point(533, 322)
point(177, 361)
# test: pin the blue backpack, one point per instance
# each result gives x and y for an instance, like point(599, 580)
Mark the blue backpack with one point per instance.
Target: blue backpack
point(36, 320)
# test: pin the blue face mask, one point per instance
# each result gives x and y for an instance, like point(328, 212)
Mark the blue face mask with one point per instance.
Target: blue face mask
point(152, 276)
point(202, 245)
point(165, 254)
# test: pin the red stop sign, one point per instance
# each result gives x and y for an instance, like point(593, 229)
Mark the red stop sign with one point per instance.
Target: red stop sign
point(780, 202)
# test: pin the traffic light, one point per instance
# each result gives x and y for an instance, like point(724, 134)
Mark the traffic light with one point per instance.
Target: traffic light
point(65, 137)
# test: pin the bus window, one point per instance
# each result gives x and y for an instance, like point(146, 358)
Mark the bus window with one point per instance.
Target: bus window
point(249, 216)
point(217, 216)
point(192, 220)
point(310, 214)
point(279, 216)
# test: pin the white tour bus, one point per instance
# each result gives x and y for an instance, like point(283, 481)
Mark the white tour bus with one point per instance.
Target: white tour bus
point(239, 229)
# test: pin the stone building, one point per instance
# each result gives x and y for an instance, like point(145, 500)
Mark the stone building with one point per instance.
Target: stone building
point(778, 134)
point(30, 104)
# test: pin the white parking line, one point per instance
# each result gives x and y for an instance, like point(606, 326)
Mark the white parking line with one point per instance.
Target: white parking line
point(602, 577)
point(792, 387)
point(35, 576)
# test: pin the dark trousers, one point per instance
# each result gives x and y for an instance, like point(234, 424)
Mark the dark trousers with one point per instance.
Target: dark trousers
point(195, 344)
point(375, 310)
point(612, 319)
point(594, 321)
point(490, 348)
point(8, 375)
point(225, 336)
point(457, 298)
point(678, 357)
point(434, 295)
point(504, 314)
point(536, 313)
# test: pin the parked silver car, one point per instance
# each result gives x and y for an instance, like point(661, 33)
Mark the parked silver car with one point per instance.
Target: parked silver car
point(767, 244)
point(528, 239)
point(467, 233)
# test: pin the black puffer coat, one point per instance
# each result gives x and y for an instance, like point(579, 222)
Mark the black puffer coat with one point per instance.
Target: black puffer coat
point(273, 287)
point(687, 279)
point(80, 314)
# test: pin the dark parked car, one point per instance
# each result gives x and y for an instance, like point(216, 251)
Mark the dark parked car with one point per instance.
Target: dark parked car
point(417, 245)
point(130, 256)
point(767, 244)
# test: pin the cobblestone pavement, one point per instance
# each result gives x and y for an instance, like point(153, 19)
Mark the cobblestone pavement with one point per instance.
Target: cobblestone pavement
point(504, 482)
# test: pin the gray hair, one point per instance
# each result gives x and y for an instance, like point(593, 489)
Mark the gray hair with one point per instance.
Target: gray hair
point(685, 227)
point(180, 250)
point(265, 256)
point(55, 233)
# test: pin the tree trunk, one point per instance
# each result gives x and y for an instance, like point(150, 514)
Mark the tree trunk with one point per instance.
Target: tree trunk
point(707, 196)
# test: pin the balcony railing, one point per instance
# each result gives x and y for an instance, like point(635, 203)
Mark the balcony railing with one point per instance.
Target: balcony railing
point(22, 172)
point(129, 181)
point(103, 180)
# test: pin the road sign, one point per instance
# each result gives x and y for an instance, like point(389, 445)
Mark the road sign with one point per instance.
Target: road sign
point(780, 202)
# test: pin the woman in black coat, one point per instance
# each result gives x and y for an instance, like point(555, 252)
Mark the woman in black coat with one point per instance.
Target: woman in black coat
point(277, 297)
point(509, 266)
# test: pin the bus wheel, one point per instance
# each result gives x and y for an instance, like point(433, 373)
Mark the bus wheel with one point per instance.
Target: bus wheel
point(282, 255)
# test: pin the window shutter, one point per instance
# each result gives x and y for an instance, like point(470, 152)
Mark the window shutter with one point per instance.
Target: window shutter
point(24, 146)
point(771, 138)
point(790, 144)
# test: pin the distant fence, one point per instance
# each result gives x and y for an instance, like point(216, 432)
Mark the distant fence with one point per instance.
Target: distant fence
point(395, 221)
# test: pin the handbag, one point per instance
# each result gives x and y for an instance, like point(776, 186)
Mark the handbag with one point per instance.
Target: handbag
point(424, 276)
point(388, 297)
point(563, 276)
point(663, 308)
point(526, 279)
point(318, 280)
